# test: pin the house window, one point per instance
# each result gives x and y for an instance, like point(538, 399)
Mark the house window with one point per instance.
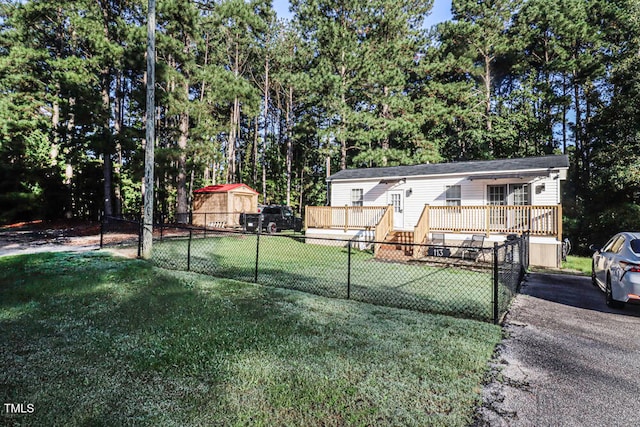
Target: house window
point(357, 197)
point(520, 194)
point(497, 195)
point(396, 202)
point(514, 194)
point(453, 195)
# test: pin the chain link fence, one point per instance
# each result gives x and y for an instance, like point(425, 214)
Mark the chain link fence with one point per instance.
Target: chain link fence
point(442, 281)
point(121, 232)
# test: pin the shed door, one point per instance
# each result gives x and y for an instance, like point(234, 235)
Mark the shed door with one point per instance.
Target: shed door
point(397, 201)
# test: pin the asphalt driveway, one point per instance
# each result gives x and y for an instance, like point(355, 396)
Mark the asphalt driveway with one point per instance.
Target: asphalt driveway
point(567, 359)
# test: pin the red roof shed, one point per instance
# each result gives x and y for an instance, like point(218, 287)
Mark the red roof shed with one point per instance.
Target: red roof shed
point(219, 206)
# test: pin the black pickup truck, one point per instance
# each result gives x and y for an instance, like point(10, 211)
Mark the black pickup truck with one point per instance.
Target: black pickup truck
point(273, 218)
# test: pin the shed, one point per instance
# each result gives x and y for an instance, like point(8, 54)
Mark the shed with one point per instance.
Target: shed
point(219, 206)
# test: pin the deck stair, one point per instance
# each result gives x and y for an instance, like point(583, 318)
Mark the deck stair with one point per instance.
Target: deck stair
point(397, 246)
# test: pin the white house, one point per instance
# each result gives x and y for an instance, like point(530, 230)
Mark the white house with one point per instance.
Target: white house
point(492, 197)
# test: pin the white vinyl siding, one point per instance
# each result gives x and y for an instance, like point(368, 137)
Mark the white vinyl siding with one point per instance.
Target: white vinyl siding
point(545, 192)
point(372, 194)
point(432, 191)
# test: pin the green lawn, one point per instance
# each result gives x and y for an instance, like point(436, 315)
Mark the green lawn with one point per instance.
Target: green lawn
point(577, 263)
point(90, 339)
point(293, 264)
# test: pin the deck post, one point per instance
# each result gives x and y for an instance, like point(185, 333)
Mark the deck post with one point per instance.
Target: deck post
point(427, 212)
point(346, 218)
point(559, 223)
point(487, 217)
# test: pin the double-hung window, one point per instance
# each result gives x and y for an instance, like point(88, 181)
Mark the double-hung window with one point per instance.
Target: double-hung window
point(357, 197)
point(453, 195)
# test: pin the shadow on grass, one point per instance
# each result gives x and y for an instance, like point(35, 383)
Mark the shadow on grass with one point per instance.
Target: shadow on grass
point(415, 287)
point(84, 335)
point(107, 341)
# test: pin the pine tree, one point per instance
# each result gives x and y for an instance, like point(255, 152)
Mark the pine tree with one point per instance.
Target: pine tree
point(391, 130)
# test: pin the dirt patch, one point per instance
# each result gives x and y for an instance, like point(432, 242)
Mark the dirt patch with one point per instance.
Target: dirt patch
point(55, 236)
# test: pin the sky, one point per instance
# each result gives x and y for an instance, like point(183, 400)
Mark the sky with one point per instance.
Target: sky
point(441, 11)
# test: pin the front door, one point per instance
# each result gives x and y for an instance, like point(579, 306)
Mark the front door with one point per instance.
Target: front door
point(519, 195)
point(397, 201)
point(497, 196)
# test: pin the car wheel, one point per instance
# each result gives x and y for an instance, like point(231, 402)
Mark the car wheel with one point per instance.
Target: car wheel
point(271, 228)
point(609, 296)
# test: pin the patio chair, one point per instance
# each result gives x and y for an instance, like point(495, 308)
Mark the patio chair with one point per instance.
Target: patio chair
point(437, 246)
point(437, 239)
point(474, 248)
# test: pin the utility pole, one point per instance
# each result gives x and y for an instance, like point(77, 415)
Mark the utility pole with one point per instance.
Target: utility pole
point(147, 231)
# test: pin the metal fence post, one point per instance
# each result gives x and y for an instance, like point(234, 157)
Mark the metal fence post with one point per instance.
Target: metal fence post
point(101, 230)
point(349, 270)
point(496, 283)
point(140, 231)
point(255, 275)
point(189, 251)
point(521, 259)
point(528, 250)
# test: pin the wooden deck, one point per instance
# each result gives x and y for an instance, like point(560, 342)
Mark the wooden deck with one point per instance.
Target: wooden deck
point(451, 220)
point(488, 220)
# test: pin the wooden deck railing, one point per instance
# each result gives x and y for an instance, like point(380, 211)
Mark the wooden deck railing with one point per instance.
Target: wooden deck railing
point(537, 220)
point(384, 226)
point(344, 217)
point(421, 231)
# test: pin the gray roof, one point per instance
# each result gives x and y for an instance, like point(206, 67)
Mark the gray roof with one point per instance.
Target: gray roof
point(470, 167)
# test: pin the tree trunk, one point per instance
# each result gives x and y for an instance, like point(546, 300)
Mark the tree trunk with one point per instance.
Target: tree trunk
point(183, 125)
point(55, 122)
point(68, 170)
point(289, 159)
point(301, 200)
point(487, 100)
point(181, 196)
point(578, 134)
point(235, 123)
point(343, 121)
point(385, 116)
point(254, 166)
point(266, 128)
point(107, 169)
point(118, 124)
point(564, 116)
point(231, 148)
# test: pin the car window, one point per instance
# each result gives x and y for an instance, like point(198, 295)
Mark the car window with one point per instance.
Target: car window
point(617, 245)
point(270, 211)
point(635, 245)
point(609, 245)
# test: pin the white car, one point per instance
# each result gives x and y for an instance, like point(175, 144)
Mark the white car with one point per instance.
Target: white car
point(616, 269)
